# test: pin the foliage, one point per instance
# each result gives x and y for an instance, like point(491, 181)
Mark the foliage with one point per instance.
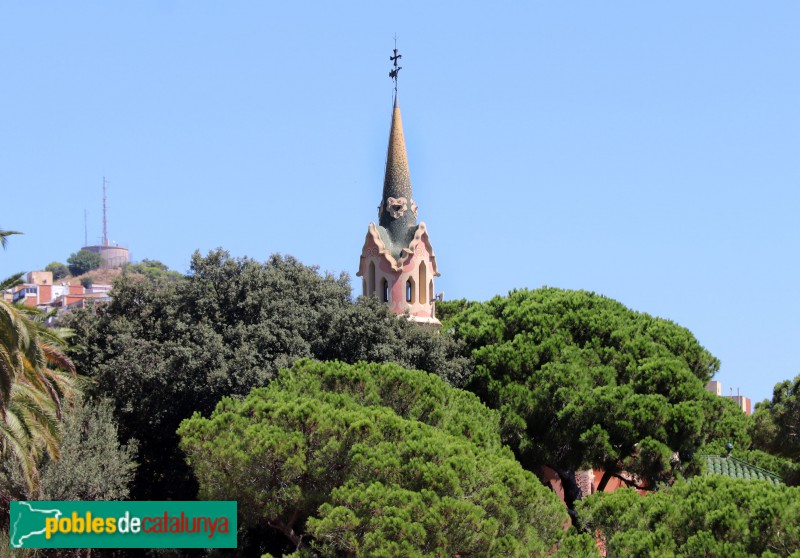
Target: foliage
point(777, 422)
point(585, 382)
point(446, 309)
point(93, 464)
point(707, 516)
point(87, 282)
point(58, 269)
point(777, 427)
point(372, 460)
point(83, 261)
point(154, 270)
point(4, 237)
point(162, 350)
point(36, 380)
point(11, 281)
point(368, 331)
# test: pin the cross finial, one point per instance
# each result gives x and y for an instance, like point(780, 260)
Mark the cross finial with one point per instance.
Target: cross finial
point(396, 69)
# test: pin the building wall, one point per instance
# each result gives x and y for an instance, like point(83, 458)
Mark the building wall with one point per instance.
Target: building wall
point(112, 256)
point(45, 294)
point(40, 277)
point(714, 387)
point(416, 269)
point(743, 402)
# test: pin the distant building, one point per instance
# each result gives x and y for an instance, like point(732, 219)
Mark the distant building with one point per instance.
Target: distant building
point(77, 300)
point(714, 387)
point(744, 403)
point(38, 291)
point(111, 257)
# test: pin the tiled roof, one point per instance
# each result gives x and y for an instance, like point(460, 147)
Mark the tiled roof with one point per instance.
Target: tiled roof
point(737, 469)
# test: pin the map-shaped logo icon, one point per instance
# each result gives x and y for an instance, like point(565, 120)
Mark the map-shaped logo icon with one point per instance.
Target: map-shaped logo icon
point(28, 523)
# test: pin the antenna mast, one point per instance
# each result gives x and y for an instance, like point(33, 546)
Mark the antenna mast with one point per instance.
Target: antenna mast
point(105, 220)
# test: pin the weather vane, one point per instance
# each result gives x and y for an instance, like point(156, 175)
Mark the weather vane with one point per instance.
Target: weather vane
point(396, 70)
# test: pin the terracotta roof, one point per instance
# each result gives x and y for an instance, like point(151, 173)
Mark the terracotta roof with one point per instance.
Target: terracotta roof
point(737, 469)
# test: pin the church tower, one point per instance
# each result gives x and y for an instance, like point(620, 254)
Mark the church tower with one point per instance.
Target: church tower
point(397, 261)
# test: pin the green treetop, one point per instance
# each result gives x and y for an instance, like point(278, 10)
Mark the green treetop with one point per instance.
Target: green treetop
point(58, 269)
point(164, 349)
point(777, 427)
point(708, 516)
point(583, 381)
point(371, 460)
point(83, 261)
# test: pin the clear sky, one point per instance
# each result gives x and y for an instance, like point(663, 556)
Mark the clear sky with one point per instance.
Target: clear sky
point(648, 151)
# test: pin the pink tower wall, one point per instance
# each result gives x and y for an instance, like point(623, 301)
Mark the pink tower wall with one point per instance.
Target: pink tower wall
point(371, 253)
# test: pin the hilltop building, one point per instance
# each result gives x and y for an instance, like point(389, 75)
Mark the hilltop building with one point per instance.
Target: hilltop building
point(38, 291)
point(111, 257)
point(397, 260)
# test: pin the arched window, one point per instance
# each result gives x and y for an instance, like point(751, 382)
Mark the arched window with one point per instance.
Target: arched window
point(410, 290)
point(371, 279)
point(385, 290)
point(423, 274)
point(430, 290)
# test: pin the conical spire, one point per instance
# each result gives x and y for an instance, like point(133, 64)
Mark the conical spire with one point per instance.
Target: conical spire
point(397, 211)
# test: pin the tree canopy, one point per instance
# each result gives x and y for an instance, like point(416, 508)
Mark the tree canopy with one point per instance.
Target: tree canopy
point(162, 350)
point(154, 270)
point(372, 460)
point(777, 427)
point(708, 516)
point(584, 381)
point(83, 261)
point(92, 464)
point(58, 269)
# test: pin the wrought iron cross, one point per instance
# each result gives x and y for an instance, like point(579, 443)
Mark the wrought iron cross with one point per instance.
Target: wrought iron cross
point(396, 70)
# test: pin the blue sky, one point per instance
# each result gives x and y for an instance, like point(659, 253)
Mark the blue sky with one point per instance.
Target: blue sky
point(645, 151)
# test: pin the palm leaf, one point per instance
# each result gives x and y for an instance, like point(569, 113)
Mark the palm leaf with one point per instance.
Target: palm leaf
point(12, 281)
point(4, 234)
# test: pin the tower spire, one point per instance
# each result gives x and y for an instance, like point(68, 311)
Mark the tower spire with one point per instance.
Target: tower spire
point(397, 262)
point(397, 213)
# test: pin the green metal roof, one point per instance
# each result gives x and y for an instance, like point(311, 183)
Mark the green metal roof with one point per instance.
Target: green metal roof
point(737, 469)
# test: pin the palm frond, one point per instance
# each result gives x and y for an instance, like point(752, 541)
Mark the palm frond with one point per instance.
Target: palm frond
point(12, 281)
point(54, 355)
point(15, 439)
point(4, 235)
point(37, 380)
